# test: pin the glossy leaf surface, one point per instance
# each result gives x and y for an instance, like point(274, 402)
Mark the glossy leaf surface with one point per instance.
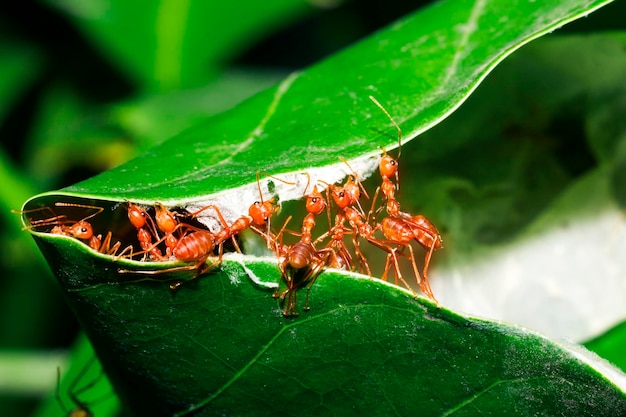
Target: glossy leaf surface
point(420, 69)
point(221, 345)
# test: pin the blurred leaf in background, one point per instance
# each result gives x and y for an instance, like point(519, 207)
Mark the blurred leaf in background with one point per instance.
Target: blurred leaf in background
point(525, 184)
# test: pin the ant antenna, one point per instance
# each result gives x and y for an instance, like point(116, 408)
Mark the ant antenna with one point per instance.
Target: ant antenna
point(258, 184)
point(308, 182)
point(98, 209)
point(380, 106)
point(356, 176)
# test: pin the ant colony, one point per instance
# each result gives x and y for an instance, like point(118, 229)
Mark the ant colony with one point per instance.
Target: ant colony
point(157, 234)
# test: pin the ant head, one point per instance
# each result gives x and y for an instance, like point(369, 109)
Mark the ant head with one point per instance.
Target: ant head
point(261, 211)
point(165, 219)
point(352, 188)
point(388, 166)
point(341, 197)
point(315, 202)
point(136, 215)
point(81, 230)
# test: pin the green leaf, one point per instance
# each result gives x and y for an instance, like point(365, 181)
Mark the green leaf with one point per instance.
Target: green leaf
point(154, 118)
point(84, 379)
point(170, 44)
point(221, 345)
point(71, 133)
point(19, 64)
point(610, 345)
point(324, 112)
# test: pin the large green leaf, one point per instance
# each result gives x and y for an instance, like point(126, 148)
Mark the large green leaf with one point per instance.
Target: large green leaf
point(221, 345)
point(421, 69)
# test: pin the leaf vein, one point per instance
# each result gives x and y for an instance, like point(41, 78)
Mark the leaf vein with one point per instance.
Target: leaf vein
point(282, 89)
point(460, 51)
point(484, 391)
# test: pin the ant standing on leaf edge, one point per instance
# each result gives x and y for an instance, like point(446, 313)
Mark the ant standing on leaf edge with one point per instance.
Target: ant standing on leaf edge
point(401, 228)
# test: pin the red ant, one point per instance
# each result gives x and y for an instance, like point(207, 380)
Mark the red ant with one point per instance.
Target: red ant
point(167, 223)
point(301, 263)
point(199, 244)
point(349, 193)
point(80, 229)
point(261, 211)
point(401, 232)
point(146, 230)
point(195, 245)
point(399, 227)
point(360, 227)
point(345, 197)
point(343, 258)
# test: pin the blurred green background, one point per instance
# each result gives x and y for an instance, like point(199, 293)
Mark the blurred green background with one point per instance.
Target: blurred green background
point(86, 85)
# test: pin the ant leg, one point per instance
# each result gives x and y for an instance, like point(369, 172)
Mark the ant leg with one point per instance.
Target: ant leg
point(316, 270)
point(217, 210)
point(425, 283)
point(128, 252)
point(387, 265)
point(200, 267)
point(96, 208)
point(152, 249)
point(397, 272)
point(363, 264)
point(192, 267)
point(282, 266)
point(291, 309)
